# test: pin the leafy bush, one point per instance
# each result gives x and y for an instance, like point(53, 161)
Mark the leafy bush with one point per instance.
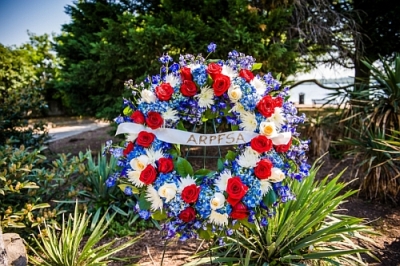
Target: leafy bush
point(28, 185)
point(65, 247)
point(19, 98)
point(305, 229)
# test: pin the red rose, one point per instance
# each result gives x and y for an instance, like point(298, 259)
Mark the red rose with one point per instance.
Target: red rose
point(145, 139)
point(148, 175)
point(283, 147)
point(128, 148)
point(239, 211)
point(137, 117)
point(246, 74)
point(190, 193)
point(187, 215)
point(266, 106)
point(278, 102)
point(164, 92)
point(214, 69)
point(165, 165)
point(261, 144)
point(263, 169)
point(188, 88)
point(221, 84)
point(236, 190)
point(186, 74)
point(154, 120)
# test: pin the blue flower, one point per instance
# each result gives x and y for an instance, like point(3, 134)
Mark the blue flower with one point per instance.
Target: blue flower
point(211, 47)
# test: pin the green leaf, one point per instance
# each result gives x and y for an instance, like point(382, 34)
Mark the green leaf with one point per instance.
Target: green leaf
point(144, 204)
point(220, 164)
point(234, 127)
point(230, 155)
point(205, 234)
point(41, 206)
point(127, 111)
point(134, 189)
point(270, 198)
point(181, 126)
point(256, 66)
point(202, 172)
point(183, 167)
point(159, 215)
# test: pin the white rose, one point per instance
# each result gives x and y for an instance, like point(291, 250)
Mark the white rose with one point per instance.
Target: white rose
point(234, 93)
point(148, 96)
point(276, 175)
point(139, 163)
point(217, 201)
point(268, 129)
point(167, 191)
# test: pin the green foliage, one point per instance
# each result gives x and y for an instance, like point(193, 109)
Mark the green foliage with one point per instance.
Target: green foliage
point(370, 120)
point(65, 247)
point(19, 98)
point(307, 229)
point(28, 185)
point(117, 45)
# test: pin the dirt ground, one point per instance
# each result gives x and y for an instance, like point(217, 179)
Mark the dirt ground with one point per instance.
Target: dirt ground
point(384, 218)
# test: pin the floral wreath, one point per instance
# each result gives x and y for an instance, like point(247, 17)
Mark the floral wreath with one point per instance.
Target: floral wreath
point(250, 181)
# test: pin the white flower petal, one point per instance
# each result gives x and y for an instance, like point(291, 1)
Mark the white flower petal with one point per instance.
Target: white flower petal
point(276, 175)
point(153, 197)
point(268, 129)
point(172, 80)
point(249, 122)
point(259, 85)
point(133, 177)
point(229, 71)
point(222, 182)
point(265, 186)
point(217, 201)
point(170, 114)
point(205, 97)
point(148, 96)
point(154, 156)
point(167, 191)
point(218, 218)
point(187, 181)
point(249, 158)
point(139, 163)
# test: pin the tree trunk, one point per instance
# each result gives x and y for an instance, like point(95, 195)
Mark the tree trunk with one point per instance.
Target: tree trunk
point(3, 253)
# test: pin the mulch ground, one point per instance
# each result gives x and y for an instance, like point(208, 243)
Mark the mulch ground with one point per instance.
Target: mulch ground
point(383, 217)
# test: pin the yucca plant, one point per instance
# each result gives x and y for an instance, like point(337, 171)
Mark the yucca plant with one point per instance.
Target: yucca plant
point(307, 230)
point(70, 247)
point(376, 162)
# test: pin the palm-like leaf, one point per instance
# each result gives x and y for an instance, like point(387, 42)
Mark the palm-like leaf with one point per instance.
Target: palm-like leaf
point(63, 248)
point(306, 229)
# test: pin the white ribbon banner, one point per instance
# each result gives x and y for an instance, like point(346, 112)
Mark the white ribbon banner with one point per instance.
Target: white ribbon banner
point(176, 136)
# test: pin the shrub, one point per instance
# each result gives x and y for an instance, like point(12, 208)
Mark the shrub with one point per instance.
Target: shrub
point(65, 247)
point(306, 229)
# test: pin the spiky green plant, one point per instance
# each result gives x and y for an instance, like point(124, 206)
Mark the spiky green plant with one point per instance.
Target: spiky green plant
point(306, 230)
point(65, 248)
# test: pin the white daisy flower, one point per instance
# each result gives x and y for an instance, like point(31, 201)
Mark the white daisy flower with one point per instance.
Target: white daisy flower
point(139, 163)
point(170, 114)
point(277, 117)
point(217, 201)
point(234, 93)
point(187, 181)
point(268, 129)
point(218, 218)
point(148, 96)
point(172, 80)
point(222, 182)
point(153, 197)
point(265, 186)
point(133, 177)
point(238, 107)
point(248, 159)
point(205, 98)
point(167, 191)
point(259, 85)
point(249, 122)
point(154, 156)
point(276, 175)
point(229, 71)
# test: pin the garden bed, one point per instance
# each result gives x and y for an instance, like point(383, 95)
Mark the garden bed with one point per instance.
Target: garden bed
point(383, 217)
